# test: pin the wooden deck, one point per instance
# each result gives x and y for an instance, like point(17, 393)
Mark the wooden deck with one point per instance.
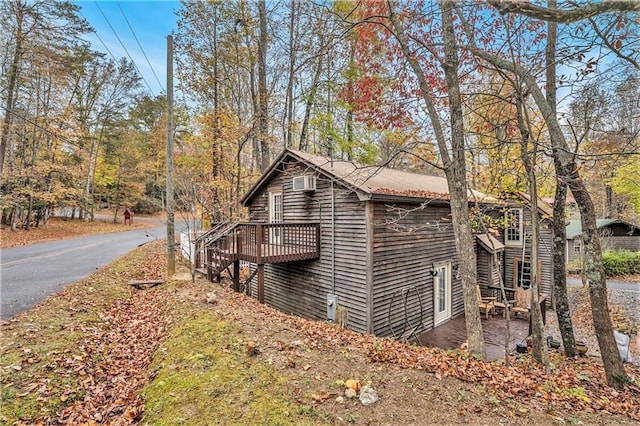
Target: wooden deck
point(258, 243)
point(277, 242)
point(453, 334)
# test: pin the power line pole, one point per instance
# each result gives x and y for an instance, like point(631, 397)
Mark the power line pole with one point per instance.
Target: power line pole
point(171, 250)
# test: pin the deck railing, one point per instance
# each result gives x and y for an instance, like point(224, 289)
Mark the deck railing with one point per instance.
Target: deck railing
point(277, 242)
point(264, 243)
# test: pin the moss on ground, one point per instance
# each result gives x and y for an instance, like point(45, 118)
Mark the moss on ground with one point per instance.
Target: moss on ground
point(205, 376)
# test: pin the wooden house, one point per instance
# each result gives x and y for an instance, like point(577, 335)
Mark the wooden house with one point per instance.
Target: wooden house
point(615, 234)
point(370, 244)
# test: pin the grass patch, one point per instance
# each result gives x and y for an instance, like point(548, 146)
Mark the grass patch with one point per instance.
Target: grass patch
point(204, 376)
point(53, 359)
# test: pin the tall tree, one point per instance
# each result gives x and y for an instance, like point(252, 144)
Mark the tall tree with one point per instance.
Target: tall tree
point(263, 93)
point(563, 310)
point(147, 118)
point(105, 88)
point(30, 25)
point(529, 151)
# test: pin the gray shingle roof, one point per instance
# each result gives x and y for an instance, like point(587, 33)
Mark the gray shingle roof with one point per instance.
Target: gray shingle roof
point(369, 181)
point(385, 181)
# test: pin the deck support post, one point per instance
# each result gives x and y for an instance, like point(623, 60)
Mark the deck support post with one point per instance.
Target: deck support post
point(208, 265)
point(261, 283)
point(259, 241)
point(236, 275)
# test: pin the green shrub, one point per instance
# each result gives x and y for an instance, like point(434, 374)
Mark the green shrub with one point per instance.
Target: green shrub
point(621, 262)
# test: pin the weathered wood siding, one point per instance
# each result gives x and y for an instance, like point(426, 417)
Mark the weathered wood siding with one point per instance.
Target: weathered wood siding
point(301, 288)
point(404, 251)
point(617, 242)
point(483, 267)
point(489, 274)
point(545, 255)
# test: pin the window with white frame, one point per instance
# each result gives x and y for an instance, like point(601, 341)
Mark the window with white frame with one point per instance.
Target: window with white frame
point(577, 246)
point(513, 234)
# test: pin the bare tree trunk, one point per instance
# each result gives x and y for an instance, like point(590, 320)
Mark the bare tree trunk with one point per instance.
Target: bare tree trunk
point(93, 158)
point(45, 215)
point(255, 140)
point(14, 217)
point(614, 370)
point(27, 225)
point(309, 105)
point(560, 299)
point(349, 118)
point(540, 353)
point(457, 178)
point(263, 112)
point(293, 47)
point(216, 149)
point(116, 201)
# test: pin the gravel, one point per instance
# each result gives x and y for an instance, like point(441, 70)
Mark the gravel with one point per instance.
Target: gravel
point(629, 304)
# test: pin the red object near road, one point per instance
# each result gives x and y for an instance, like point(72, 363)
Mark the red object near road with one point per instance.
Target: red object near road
point(128, 216)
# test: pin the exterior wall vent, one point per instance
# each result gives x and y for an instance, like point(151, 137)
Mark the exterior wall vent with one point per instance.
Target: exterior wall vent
point(306, 183)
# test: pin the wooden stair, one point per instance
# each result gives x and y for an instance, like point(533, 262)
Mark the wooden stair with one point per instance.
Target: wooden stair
point(219, 248)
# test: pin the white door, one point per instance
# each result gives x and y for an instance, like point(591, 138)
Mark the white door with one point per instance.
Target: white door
point(275, 216)
point(442, 293)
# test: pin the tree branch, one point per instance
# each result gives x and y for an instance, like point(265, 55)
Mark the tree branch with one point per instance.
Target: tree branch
point(564, 16)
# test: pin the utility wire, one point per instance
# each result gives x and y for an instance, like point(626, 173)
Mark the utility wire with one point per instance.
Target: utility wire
point(101, 41)
point(123, 46)
point(140, 46)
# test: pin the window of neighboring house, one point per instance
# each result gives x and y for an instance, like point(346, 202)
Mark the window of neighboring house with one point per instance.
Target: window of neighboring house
point(577, 246)
point(514, 233)
point(522, 273)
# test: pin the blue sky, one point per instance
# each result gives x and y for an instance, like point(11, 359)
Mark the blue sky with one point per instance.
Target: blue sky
point(151, 21)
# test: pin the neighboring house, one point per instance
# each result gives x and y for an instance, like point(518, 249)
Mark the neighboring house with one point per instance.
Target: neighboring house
point(376, 242)
point(615, 234)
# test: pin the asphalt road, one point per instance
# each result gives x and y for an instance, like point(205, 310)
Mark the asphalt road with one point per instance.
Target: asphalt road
point(31, 273)
point(614, 285)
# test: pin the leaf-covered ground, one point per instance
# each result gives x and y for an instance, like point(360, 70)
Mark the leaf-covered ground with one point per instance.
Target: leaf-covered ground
point(197, 353)
point(58, 228)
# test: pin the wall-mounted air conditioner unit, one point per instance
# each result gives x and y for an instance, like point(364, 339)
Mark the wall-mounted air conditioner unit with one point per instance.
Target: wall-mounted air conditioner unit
point(304, 183)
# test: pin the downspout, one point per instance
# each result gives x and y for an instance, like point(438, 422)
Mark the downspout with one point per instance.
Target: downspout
point(524, 246)
point(333, 223)
point(333, 239)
